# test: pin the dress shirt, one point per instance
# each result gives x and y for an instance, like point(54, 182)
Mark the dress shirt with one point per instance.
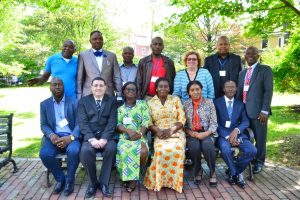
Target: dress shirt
point(59, 110)
point(99, 59)
point(128, 73)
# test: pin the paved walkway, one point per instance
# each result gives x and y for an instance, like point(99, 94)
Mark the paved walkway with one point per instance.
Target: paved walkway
point(30, 183)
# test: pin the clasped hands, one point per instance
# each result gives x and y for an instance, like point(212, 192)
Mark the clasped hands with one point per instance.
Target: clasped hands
point(165, 133)
point(98, 144)
point(60, 142)
point(198, 135)
point(133, 135)
point(233, 138)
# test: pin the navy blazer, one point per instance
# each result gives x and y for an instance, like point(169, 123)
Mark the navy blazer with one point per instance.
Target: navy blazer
point(98, 124)
point(47, 114)
point(238, 120)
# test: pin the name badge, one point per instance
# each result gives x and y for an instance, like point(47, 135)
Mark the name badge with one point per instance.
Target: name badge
point(222, 73)
point(154, 79)
point(119, 98)
point(127, 120)
point(63, 123)
point(124, 82)
point(227, 124)
point(246, 88)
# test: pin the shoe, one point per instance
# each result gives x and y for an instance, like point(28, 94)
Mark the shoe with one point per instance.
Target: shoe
point(239, 180)
point(130, 186)
point(230, 180)
point(212, 182)
point(105, 191)
point(90, 192)
point(59, 187)
point(69, 188)
point(257, 169)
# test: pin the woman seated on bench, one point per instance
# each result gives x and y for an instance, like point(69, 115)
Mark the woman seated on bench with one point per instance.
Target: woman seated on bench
point(201, 131)
point(166, 169)
point(132, 149)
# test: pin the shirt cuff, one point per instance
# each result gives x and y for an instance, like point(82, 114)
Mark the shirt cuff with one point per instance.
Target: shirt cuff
point(238, 130)
point(265, 112)
point(90, 140)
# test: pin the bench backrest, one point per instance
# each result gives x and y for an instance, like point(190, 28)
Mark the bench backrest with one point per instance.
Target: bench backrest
point(6, 132)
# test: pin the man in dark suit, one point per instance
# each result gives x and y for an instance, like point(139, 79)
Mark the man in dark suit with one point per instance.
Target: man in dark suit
point(223, 66)
point(97, 62)
point(255, 89)
point(97, 117)
point(61, 132)
point(232, 122)
point(152, 67)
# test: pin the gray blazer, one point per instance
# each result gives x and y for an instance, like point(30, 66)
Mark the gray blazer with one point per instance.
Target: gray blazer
point(259, 95)
point(88, 69)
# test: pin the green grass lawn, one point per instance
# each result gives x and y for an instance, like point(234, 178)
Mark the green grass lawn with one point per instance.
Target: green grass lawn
point(283, 144)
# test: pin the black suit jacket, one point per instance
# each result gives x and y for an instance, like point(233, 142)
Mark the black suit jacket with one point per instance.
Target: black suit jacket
point(97, 124)
point(232, 67)
point(260, 92)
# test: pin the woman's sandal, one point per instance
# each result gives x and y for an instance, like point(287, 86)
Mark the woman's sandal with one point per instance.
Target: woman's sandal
point(198, 178)
point(130, 186)
point(213, 181)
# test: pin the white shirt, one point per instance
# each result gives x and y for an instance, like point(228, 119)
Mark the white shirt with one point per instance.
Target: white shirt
point(99, 59)
point(226, 100)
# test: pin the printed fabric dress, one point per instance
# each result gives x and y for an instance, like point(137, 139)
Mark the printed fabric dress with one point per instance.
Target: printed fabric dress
point(128, 152)
point(166, 169)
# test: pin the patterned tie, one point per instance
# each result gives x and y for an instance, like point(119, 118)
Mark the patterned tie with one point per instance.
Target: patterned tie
point(247, 82)
point(229, 109)
point(98, 104)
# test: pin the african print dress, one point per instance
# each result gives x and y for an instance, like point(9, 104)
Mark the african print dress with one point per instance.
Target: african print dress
point(166, 169)
point(128, 152)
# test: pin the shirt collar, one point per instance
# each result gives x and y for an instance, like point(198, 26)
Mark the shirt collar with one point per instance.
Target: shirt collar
point(123, 65)
point(227, 99)
point(61, 101)
point(94, 50)
point(254, 65)
point(61, 56)
point(98, 99)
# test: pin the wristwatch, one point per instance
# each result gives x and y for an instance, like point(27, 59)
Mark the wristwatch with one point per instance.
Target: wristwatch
point(72, 137)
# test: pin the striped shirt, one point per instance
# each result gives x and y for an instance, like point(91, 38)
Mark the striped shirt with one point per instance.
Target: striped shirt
point(182, 79)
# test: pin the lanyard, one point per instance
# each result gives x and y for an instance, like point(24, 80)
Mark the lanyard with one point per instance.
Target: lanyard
point(223, 63)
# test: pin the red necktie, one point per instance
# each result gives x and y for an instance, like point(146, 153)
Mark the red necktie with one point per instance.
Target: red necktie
point(247, 82)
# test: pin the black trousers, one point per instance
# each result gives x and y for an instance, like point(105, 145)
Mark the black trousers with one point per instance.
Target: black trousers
point(88, 159)
point(205, 146)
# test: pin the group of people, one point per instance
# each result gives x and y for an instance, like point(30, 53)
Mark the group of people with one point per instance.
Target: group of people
point(197, 108)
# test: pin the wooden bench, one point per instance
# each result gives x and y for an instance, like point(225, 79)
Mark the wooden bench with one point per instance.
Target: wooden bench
point(6, 141)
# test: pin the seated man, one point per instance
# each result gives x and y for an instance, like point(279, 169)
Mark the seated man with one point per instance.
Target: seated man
point(232, 122)
point(59, 125)
point(97, 117)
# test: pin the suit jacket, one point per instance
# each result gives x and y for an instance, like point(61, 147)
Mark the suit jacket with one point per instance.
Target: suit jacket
point(260, 92)
point(238, 119)
point(47, 114)
point(232, 67)
point(144, 74)
point(88, 69)
point(94, 123)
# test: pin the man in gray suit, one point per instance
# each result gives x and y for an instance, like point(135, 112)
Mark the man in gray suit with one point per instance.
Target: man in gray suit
point(255, 89)
point(97, 62)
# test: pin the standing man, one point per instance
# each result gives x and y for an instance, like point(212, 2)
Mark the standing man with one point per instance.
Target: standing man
point(61, 132)
point(223, 65)
point(62, 65)
point(97, 62)
point(255, 89)
point(97, 117)
point(232, 123)
point(152, 67)
point(128, 68)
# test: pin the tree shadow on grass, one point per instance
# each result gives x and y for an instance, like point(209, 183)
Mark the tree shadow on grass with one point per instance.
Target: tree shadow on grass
point(20, 115)
point(29, 151)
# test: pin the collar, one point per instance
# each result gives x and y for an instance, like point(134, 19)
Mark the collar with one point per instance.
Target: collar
point(253, 66)
point(123, 65)
point(94, 50)
point(98, 99)
point(61, 101)
point(227, 99)
point(61, 56)
point(227, 56)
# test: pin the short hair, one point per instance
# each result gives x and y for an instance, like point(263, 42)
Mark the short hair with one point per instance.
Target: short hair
point(229, 81)
point(189, 85)
point(95, 31)
point(129, 48)
point(192, 53)
point(223, 37)
point(53, 78)
point(98, 79)
point(157, 38)
point(161, 80)
point(71, 41)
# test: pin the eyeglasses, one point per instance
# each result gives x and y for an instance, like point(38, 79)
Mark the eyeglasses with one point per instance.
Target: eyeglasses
point(192, 59)
point(98, 85)
point(130, 89)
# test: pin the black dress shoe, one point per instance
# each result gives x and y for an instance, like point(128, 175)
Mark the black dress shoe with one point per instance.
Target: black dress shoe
point(231, 180)
point(59, 187)
point(257, 169)
point(105, 191)
point(239, 180)
point(69, 188)
point(90, 192)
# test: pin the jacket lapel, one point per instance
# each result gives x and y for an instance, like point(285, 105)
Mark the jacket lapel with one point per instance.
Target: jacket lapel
point(225, 108)
point(105, 63)
point(93, 59)
point(103, 104)
point(254, 75)
point(51, 112)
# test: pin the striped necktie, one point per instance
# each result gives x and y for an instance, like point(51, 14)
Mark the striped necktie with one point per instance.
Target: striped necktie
point(98, 104)
point(247, 82)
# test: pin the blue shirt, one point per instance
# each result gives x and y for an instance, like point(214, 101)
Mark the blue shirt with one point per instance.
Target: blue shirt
point(59, 110)
point(128, 73)
point(182, 79)
point(67, 71)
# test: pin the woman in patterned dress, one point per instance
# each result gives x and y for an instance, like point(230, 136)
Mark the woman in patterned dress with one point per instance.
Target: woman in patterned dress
point(168, 118)
point(132, 149)
point(201, 130)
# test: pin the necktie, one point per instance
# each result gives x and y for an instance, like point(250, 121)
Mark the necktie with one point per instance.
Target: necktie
point(98, 53)
point(247, 82)
point(98, 104)
point(229, 109)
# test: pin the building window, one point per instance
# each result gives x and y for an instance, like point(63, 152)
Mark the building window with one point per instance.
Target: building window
point(264, 43)
point(143, 51)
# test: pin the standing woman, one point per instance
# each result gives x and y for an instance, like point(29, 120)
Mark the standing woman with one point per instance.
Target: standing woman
point(168, 118)
point(193, 72)
point(132, 149)
point(201, 132)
